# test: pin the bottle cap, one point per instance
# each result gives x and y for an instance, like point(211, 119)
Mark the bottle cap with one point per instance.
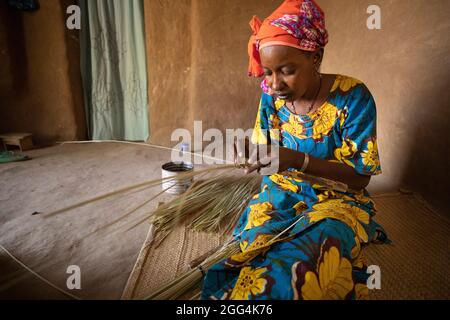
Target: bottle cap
point(185, 147)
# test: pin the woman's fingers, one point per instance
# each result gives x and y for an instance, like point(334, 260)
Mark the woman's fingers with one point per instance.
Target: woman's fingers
point(253, 155)
point(253, 167)
point(259, 164)
point(235, 153)
point(264, 159)
point(261, 156)
point(253, 160)
point(258, 152)
point(240, 151)
point(238, 157)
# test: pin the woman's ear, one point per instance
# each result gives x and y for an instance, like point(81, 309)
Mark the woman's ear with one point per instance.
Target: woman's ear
point(317, 58)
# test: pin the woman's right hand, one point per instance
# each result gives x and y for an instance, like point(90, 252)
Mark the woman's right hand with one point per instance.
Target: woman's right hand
point(241, 152)
point(253, 157)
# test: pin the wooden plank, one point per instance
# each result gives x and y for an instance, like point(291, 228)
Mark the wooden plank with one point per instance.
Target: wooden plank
point(15, 135)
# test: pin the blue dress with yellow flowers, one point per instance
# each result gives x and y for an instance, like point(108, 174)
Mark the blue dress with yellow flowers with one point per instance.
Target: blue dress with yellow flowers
point(320, 255)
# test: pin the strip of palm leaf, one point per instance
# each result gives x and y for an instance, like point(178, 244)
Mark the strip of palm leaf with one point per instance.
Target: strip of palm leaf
point(149, 183)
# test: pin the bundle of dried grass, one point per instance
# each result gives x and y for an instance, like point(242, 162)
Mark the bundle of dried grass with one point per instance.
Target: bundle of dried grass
point(213, 205)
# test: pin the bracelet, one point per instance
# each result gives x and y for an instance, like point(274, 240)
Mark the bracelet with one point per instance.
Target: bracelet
point(305, 163)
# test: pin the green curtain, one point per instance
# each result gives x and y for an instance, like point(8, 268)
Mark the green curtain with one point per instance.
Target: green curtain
point(114, 71)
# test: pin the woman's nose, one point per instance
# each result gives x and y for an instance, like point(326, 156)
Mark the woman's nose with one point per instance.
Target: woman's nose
point(277, 83)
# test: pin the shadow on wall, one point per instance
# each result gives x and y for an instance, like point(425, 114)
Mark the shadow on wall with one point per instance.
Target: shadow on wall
point(405, 65)
point(41, 90)
point(15, 77)
point(428, 158)
point(72, 42)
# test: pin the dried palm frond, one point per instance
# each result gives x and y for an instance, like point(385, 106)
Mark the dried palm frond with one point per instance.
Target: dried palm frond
point(126, 215)
point(233, 195)
point(150, 183)
point(213, 205)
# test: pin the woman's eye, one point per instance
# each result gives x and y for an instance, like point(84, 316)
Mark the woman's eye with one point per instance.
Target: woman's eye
point(267, 73)
point(288, 71)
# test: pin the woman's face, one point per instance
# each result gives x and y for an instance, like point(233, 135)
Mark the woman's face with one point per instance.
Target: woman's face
point(289, 71)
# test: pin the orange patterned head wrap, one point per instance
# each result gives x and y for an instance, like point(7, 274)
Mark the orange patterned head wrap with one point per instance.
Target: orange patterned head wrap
point(296, 23)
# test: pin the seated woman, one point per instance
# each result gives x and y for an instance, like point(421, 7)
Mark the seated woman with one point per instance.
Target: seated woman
point(301, 240)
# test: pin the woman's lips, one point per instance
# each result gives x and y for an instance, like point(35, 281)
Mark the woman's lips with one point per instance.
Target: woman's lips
point(283, 96)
